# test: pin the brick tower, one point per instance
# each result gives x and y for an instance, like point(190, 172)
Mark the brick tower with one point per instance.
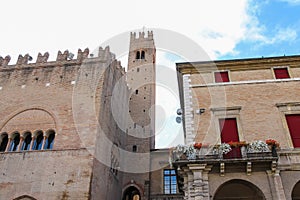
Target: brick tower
point(141, 120)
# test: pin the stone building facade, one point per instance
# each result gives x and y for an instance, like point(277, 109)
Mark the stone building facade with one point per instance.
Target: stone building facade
point(51, 142)
point(78, 128)
point(245, 103)
point(84, 128)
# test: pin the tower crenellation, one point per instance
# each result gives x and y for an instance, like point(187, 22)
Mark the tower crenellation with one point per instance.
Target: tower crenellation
point(141, 35)
point(43, 58)
point(4, 61)
point(65, 57)
point(62, 70)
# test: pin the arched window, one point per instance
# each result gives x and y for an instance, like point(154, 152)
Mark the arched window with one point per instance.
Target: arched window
point(143, 55)
point(137, 55)
point(3, 141)
point(50, 139)
point(38, 142)
point(14, 142)
point(26, 142)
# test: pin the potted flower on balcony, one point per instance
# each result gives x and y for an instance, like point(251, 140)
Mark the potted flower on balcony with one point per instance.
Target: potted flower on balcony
point(237, 144)
point(273, 145)
point(197, 145)
point(272, 142)
point(221, 149)
point(257, 149)
point(184, 152)
point(258, 146)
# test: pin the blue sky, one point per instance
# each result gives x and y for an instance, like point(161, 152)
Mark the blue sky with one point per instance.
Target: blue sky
point(277, 25)
point(224, 29)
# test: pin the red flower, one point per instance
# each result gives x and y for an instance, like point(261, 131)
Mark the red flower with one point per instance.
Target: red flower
point(237, 144)
point(272, 142)
point(197, 145)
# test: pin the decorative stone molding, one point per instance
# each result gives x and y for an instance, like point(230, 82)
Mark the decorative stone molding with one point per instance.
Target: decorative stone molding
point(188, 110)
point(196, 185)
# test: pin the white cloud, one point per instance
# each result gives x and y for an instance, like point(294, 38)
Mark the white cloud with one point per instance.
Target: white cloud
point(35, 26)
point(257, 32)
point(218, 26)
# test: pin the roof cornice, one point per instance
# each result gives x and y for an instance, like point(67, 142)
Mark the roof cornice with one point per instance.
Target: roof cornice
point(238, 64)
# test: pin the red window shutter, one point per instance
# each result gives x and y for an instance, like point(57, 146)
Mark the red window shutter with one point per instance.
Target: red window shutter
point(293, 122)
point(229, 132)
point(221, 77)
point(281, 73)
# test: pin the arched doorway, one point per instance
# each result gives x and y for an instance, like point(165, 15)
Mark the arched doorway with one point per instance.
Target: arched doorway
point(238, 189)
point(296, 191)
point(131, 193)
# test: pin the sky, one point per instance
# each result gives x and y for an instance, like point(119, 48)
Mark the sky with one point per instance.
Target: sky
point(228, 29)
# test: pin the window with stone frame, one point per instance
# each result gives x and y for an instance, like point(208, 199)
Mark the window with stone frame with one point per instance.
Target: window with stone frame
point(170, 181)
point(221, 77)
point(293, 122)
point(281, 73)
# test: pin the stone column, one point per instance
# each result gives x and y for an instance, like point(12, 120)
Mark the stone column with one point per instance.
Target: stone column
point(190, 186)
point(276, 185)
point(206, 194)
point(44, 141)
point(20, 143)
point(200, 185)
point(185, 187)
point(31, 143)
point(8, 143)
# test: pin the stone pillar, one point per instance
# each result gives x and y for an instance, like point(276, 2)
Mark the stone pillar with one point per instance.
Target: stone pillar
point(31, 143)
point(44, 141)
point(206, 194)
point(8, 143)
point(20, 143)
point(185, 187)
point(276, 185)
point(190, 186)
point(200, 185)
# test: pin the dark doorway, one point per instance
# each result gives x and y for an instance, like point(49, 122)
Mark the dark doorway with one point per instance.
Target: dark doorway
point(131, 193)
point(296, 192)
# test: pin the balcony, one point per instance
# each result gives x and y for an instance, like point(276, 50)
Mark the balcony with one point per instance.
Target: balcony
point(215, 154)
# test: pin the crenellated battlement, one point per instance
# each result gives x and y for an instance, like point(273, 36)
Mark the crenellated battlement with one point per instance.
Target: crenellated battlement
point(141, 35)
point(65, 69)
point(65, 58)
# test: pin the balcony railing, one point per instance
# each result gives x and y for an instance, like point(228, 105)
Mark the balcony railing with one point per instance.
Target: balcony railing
point(213, 154)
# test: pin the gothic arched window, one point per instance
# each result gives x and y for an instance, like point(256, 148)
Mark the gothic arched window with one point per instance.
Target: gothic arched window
point(50, 139)
point(14, 142)
point(3, 141)
point(138, 55)
point(26, 142)
point(38, 142)
point(143, 55)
